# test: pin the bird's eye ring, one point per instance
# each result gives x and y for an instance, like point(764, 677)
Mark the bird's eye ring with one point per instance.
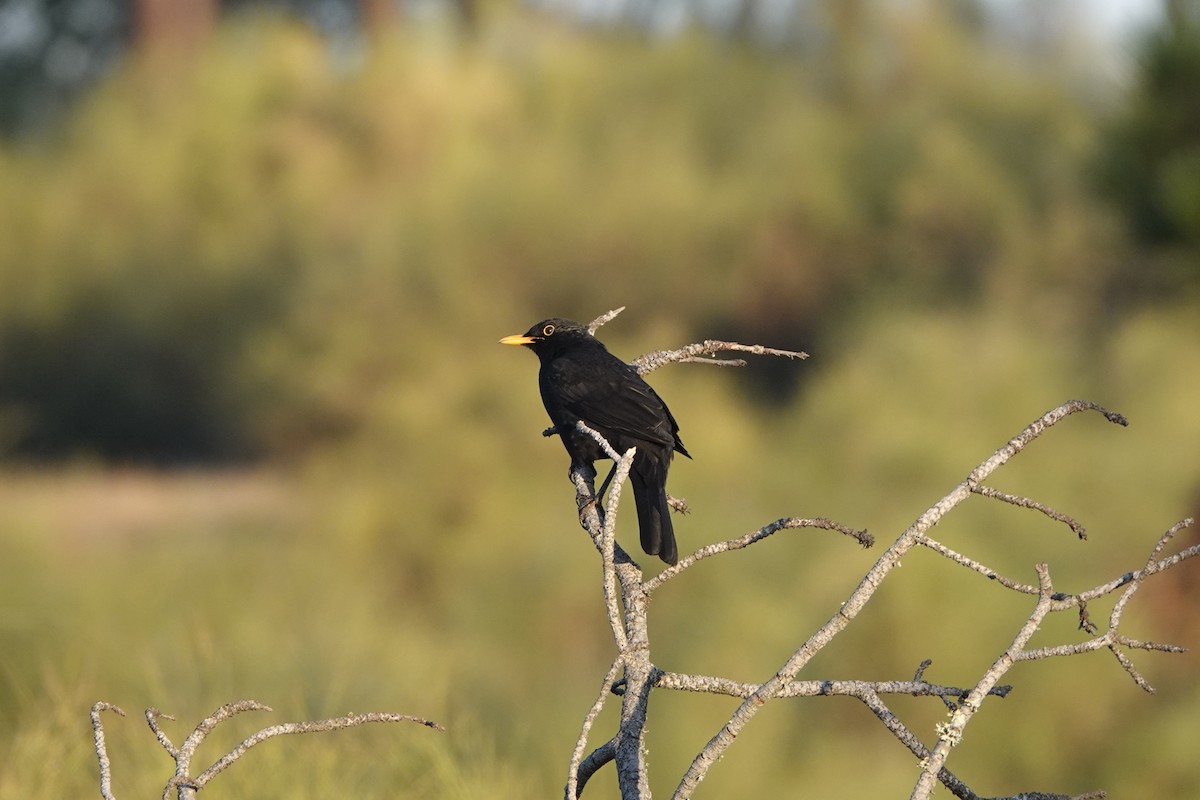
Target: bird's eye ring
point(548, 330)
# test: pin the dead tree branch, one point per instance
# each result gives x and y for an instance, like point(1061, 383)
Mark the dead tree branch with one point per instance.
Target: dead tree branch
point(698, 353)
point(701, 352)
point(626, 594)
point(789, 523)
point(182, 783)
point(1025, 502)
point(102, 748)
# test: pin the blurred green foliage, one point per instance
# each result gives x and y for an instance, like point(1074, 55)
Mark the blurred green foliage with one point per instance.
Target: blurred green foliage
point(209, 261)
point(1151, 160)
point(269, 254)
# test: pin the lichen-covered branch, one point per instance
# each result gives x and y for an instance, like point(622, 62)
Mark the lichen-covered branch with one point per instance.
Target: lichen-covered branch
point(575, 780)
point(1025, 502)
point(950, 733)
point(866, 589)
point(626, 748)
point(102, 749)
point(697, 353)
point(316, 726)
point(182, 783)
point(788, 523)
point(827, 688)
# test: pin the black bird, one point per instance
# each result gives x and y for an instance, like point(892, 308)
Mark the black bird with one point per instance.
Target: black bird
point(581, 380)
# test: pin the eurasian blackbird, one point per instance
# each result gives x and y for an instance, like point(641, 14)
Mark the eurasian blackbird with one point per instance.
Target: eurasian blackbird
point(580, 380)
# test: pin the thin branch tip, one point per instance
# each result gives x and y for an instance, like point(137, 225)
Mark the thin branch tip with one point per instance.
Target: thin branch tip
point(184, 782)
point(100, 705)
point(604, 318)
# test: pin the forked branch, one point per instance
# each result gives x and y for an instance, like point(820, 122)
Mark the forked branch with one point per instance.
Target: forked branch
point(698, 353)
point(182, 783)
point(628, 617)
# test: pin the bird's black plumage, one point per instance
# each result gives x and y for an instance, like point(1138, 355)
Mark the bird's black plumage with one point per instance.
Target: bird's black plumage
point(581, 380)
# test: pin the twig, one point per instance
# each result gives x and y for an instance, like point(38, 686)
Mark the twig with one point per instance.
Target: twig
point(607, 316)
point(951, 733)
point(576, 781)
point(626, 748)
point(958, 558)
point(945, 776)
point(102, 748)
point(858, 599)
point(182, 783)
point(153, 715)
point(629, 750)
point(737, 543)
point(1025, 502)
point(1068, 601)
point(828, 688)
point(317, 726)
point(608, 536)
point(183, 759)
point(1112, 638)
point(591, 765)
point(905, 736)
point(696, 353)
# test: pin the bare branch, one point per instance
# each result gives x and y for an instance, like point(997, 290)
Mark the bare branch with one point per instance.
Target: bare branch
point(1025, 502)
point(102, 748)
point(787, 523)
point(906, 737)
point(958, 558)
point(858, 599)
point(1128, 666)
point(712, 362)
point(576, 781)
point(188, 748)
point(591, 765)
point(182, 783)
point(317, 726)
point(1069, 601)
point(629, 743)
point(626, 748)
point(1167, 536)
point(697, 353)
point(153, 715)
point(606, 538)
point(945, 776)
point(607, 316)
point(827, 688)
point(950, 733)
point(678, 504)
point(894, 724)
point(608, 449)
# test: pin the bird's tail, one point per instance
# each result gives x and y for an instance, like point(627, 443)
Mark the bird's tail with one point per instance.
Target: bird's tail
point(649, 481)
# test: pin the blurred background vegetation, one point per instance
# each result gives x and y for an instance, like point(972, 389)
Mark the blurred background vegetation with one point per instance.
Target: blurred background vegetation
point(257, 440)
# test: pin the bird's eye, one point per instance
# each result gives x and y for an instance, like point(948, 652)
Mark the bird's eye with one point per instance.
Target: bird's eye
point(548, 330)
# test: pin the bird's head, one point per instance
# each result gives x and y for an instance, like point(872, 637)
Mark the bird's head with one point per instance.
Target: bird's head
point(550, 336)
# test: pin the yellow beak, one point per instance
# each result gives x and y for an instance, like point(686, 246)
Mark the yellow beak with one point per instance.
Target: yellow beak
point(518, 338)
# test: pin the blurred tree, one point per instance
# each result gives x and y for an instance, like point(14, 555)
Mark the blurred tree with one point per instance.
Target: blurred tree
point(262, 220)
point(1151, 165)
point(50, 51)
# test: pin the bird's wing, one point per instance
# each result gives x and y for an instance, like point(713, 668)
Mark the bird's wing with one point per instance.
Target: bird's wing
point(614, 400)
